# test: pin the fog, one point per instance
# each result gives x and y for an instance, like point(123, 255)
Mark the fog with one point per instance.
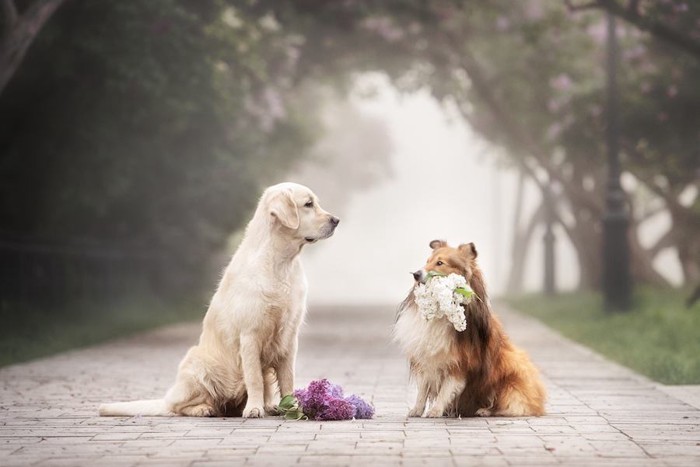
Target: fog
point(445, 184)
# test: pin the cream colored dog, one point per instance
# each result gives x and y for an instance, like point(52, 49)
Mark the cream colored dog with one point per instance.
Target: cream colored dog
point(250, 332)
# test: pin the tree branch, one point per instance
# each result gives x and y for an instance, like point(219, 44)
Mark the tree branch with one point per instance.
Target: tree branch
point(631, 15)
point(518, 135)
point(16, 42)
point(9, 11)
point(667, 240)
point(678, 210)
point(649, 214)
point(521, 161)
point(633, 6)
point(584, 6)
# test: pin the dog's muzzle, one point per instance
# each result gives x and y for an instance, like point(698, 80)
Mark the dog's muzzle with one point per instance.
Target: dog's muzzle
point(332, 224)
point(328, 230)
point(419, 276)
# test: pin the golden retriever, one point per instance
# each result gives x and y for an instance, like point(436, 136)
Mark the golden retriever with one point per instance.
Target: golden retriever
point(250, 331)
point(477, 371)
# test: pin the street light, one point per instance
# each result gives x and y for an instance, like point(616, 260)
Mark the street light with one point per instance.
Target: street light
point(617, 284)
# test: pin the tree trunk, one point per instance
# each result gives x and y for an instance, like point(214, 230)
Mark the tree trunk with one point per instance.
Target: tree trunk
point(587, 206)
point(685, 42)
point(20, 32)
point(684, 233)
point(687, 245)
point(521, 244)
point(586, 239)
point(515, 277)
point(641, 264)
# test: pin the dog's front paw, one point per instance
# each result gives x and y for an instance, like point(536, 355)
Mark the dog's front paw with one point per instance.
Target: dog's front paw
point(416, 412)
point(253, 412)
point(271, 409)
point(483, 412)
point(434, 413)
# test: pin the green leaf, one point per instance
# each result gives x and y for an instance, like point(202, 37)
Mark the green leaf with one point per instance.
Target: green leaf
point(432, 274)
point(295, 415)
point(464, 292)
point(288, 402)
point(467, 293)
point(289, 408)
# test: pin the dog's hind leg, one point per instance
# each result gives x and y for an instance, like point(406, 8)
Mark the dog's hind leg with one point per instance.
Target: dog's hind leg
point(513, 403)
point(199, 410)
point(188, 398)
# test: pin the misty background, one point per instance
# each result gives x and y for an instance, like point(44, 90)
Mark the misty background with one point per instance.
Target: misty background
point(136, 138)
point(441, 181)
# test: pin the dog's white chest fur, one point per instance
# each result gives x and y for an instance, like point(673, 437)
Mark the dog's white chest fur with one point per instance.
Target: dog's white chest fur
point(427, 344)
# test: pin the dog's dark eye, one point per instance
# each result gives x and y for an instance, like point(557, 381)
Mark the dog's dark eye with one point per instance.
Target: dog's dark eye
point(310, 204)
point(440, 263)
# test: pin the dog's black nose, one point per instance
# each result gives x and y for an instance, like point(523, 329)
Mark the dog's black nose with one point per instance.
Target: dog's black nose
point(335, 220)
point(417, 274)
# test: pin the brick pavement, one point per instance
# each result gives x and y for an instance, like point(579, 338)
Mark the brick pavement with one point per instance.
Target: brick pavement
point(599, 413)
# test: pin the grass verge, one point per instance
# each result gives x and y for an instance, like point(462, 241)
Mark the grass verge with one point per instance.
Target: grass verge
point(28, 333)
point(659, 337)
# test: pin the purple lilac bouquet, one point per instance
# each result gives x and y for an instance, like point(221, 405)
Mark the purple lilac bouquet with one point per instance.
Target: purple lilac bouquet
point(323, 400)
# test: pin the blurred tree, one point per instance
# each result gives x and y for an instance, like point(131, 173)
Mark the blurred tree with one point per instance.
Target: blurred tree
point(551, 81)
point(153, 123)
point(659, 18)
point(18, 29)
point(353, 153)
point(149, 125)
point(529, 76)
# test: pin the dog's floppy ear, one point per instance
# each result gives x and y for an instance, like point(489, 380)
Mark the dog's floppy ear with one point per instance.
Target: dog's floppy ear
point(283, 207)
point(435, 244)
point(468, 250)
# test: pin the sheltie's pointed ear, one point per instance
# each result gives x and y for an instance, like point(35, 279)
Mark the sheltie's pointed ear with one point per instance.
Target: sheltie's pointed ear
point(435, 244)
point(468, 250)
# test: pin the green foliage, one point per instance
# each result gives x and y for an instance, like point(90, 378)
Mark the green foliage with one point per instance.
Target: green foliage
point(155, 124)
point(659, 337)
point(289, 408)
point(467, 293)
point(32, 332)
point(530, 76)
point(151, 124)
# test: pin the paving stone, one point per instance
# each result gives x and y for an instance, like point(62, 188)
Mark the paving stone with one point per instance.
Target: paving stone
point(600, 413)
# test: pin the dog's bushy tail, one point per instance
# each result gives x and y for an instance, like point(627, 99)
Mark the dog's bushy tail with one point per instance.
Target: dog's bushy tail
point(150, 407)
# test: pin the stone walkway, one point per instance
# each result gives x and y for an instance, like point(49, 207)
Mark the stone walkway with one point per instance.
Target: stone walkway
point(599, 413)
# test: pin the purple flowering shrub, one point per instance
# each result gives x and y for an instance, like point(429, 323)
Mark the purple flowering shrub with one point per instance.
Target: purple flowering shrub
point(323, 400)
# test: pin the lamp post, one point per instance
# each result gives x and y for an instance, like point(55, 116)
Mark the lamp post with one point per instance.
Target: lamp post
point(617, 285)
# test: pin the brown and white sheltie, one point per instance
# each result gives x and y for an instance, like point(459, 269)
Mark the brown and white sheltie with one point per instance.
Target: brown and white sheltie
point(473, 372)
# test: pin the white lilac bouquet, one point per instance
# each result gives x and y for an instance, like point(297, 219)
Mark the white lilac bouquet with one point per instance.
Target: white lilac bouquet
point(443, 295)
